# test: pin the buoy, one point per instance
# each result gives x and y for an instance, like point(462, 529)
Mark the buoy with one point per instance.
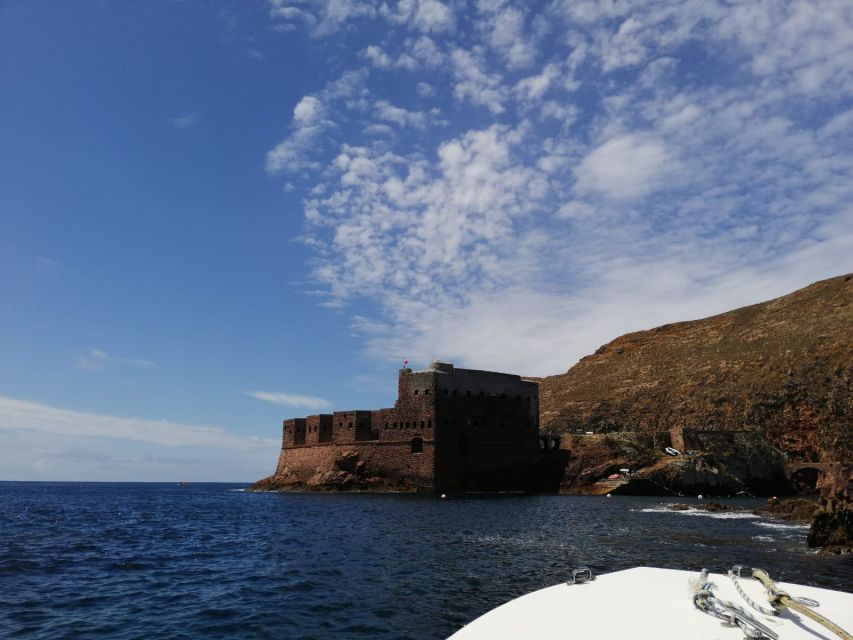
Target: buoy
point(699, 496)
point(444, 496)
point(608, 495)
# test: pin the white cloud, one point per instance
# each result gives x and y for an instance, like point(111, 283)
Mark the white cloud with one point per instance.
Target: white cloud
point(388, 112)
point(42, 442)
point(312, 117)
point(323, 17)
point(24, 415)
point(532, 88)
point(506, 35)
point(290, 399)
point(427, 52)
point(473, 83)
point(307, 112)
point(97, 360)
point(624, 167)
point(381, 60)
point(421, 15)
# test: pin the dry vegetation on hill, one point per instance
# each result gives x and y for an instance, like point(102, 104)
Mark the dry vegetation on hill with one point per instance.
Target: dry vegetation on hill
point(784, 367)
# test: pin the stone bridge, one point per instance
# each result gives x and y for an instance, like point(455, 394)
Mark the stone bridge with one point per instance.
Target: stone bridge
point(803, 476)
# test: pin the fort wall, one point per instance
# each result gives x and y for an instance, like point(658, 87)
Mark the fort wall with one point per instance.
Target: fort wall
point(405, 464)
point(449, 429)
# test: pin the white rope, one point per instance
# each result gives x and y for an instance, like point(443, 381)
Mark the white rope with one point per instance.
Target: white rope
point(752, 603)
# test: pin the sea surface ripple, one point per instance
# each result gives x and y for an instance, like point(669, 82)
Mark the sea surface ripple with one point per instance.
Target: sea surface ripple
point(93, 560)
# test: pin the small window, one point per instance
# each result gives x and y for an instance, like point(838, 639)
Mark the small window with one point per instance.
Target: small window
point(468, 393)
point(446, 392)
point(482, 393)
point(454, 392)
point(386, 425)
point(429, 424)
point(395, 425)
point(349, 426)
point(426, 392)
point(422, 424)
point(416, 392)
point(417, 445)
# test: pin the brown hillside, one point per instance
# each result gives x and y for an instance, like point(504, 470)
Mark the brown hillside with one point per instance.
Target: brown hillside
point(784, 367)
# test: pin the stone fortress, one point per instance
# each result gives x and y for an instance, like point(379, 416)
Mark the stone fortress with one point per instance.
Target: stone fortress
point(449, 430)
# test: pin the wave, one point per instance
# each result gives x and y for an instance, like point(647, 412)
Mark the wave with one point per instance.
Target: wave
point(718, 515)
point(783, 525)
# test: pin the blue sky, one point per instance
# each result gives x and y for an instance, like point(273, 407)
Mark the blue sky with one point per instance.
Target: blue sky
point(217, 215)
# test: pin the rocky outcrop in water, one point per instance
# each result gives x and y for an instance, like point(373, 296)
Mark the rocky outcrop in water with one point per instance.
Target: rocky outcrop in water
point(793, 509)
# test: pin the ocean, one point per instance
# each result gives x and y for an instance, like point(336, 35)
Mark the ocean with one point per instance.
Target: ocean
point(102, 560)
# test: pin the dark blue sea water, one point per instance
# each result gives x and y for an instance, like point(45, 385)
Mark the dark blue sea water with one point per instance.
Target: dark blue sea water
point(211, 561)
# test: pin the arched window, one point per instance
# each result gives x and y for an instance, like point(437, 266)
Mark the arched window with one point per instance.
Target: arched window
point(416, 392)
point(417, 445)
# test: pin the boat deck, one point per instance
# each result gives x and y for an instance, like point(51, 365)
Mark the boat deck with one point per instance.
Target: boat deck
point(647, 602)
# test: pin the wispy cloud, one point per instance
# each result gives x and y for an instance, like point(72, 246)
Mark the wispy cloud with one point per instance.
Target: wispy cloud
point(312, 116)
point(184, 122)
point(290, 399)
point(97, 360)
point(39, 441)
point(18, 414)
point(44, 264)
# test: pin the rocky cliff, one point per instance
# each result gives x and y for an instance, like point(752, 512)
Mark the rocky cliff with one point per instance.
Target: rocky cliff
point(782, 368)
point(832, 528)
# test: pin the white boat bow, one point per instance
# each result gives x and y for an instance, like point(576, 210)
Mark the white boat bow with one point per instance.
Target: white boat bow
point(646, 602)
